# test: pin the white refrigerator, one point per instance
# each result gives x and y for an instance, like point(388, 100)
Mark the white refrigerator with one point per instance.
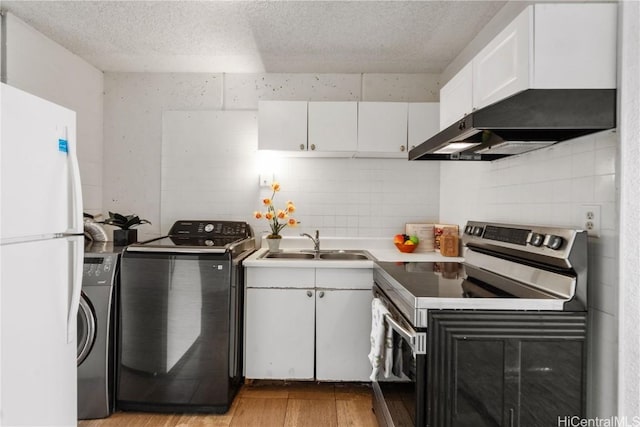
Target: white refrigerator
point(41, 260)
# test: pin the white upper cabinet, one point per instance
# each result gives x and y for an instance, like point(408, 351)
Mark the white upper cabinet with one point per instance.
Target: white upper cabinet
point(333, 126)
point(423, 122)
point(456, 97)
point(575, 46)
point(502, 67)
point(548, 46)
point(382, 129)
point(345, 129)
point(282, 125)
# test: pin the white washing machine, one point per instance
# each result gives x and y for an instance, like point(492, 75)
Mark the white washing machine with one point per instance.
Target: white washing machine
point(97, 331)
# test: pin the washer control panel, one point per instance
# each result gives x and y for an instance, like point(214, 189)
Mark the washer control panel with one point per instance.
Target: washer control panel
point(211, 228)
point(99, 269)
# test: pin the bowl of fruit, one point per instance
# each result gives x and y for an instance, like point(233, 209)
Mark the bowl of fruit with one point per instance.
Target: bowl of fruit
point(406, 243)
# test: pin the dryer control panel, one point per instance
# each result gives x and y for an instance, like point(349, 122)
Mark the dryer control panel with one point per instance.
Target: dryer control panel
point(99, 269)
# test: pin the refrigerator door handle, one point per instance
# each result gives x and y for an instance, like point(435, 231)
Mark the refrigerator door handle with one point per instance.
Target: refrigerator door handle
point(77, 260)
point(77, 224)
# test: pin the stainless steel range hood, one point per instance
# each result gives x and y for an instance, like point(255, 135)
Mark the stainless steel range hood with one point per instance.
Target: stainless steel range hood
point(526, 121)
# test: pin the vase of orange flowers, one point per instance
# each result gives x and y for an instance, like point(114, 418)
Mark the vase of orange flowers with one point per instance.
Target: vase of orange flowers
point(276, 218)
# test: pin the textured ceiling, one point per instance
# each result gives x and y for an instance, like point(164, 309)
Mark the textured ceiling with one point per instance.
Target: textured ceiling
point(261, 36)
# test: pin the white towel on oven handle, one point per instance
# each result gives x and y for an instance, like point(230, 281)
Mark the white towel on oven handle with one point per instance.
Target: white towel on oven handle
point(381, 354)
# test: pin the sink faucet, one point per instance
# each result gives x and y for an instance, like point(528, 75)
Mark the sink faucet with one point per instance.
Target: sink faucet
point(316, 242)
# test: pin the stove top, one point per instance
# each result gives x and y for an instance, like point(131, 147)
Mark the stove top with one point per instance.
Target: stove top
point(427, 279)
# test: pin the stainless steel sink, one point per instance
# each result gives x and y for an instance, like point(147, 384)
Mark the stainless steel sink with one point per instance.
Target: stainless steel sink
point(346, 256)
point(288, 255)
point(335, 255)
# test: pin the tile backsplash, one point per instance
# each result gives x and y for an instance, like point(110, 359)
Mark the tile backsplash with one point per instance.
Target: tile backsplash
point(359, 197)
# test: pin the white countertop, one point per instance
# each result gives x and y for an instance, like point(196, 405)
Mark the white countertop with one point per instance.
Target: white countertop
point(381, 248)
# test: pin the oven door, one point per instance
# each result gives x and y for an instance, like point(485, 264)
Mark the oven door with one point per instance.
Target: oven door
point(400, 395)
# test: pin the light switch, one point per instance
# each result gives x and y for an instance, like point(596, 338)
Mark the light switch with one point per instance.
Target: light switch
point(266, 179)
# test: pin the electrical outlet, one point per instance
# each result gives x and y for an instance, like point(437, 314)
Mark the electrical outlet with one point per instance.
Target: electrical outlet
point(589, 219)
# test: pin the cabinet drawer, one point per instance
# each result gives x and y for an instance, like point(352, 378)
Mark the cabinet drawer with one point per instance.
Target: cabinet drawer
point(344, 278)
point(280, 277)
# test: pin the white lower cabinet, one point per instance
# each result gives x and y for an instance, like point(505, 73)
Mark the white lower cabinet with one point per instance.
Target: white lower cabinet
point(278, 342)
point(319, 332)
point(343, 324)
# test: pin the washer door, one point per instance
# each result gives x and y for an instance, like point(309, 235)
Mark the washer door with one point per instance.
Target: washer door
point(86, 328)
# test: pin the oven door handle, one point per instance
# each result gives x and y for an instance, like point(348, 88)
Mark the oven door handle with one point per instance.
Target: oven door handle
point(417, 340)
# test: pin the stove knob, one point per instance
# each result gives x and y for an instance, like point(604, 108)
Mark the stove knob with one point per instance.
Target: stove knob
point(554, 242)
point(208, 228)
point(468, 229)
point(477, 231)
point(536, 239)
point(208, 242)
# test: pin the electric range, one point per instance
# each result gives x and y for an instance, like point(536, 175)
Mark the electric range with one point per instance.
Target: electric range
point(507, 268)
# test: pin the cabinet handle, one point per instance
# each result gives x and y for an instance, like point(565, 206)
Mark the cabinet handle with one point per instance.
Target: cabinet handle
point(511, 417)
point(301, 146)
point(321, 294)
point(402, 148)
point(313, 147)
point(309, 294)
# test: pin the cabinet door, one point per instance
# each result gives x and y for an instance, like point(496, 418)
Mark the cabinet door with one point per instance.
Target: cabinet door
point(333, 126)
point(423, 122)
point(575, 46)
point(456, 97)
point(551, 382)
point(516, 382)
point(502, 67)
point(505, 368)
point(343, 329)
point(279, 333)
point(382, 129)
point(282, 125)
point(478, 383)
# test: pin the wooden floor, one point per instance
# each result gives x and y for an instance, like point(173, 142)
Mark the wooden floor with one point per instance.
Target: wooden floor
point(267, 405)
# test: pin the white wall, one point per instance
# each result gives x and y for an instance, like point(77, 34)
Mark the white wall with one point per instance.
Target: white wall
point(629, 178)
point(37, 65)
point(358, 197)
